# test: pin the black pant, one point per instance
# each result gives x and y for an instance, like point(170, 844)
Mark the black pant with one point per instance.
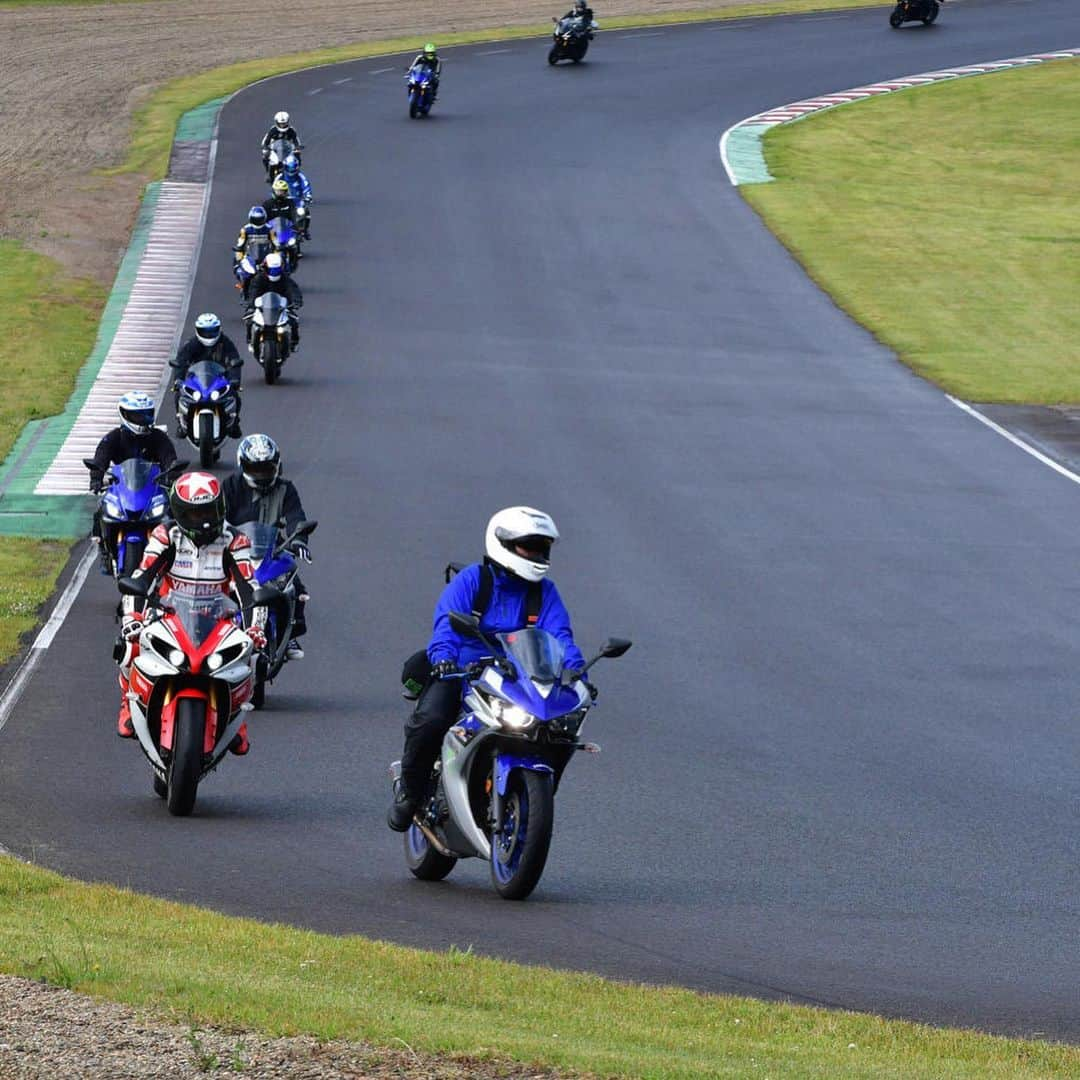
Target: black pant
point(435, 714)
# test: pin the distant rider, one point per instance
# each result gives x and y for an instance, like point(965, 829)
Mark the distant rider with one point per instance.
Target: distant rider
point(272, 278)
point(258, 492)
point(281, 129)
point(581, 10)
point(197, 555)
point(428, 59)
point(299, 189)
point(518, 544)
point(257, 228)
point(209, 343)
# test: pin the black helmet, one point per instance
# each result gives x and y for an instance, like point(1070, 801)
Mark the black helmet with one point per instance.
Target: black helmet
point(197, 504)
point(259, 461)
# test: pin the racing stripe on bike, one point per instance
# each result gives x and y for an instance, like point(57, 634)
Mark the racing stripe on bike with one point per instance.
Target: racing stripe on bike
point(740, 145)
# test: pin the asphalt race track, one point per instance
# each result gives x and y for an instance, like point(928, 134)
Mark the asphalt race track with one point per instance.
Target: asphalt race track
point(840, 761)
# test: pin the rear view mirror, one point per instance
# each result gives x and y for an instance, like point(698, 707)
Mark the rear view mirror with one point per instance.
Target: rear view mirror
point(89, 462)
point(469, 625)
point(614, 646)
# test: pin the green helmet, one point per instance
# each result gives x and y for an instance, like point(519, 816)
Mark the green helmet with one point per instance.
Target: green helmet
point(429, 51)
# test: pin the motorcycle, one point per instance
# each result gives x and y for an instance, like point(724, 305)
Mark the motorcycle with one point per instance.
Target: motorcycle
point(207, 409)
point(421, 88)
point(271, 334)
point(133, 503)
point(493, 788)
point(570, 39)
point(274, 161)
point(248, 265)
point(285, 240)
point(190, 687)
point(925, 11)
point(275, 565)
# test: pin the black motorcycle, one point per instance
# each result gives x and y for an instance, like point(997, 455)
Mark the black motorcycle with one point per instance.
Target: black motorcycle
point(924, 11)
point(570, 40)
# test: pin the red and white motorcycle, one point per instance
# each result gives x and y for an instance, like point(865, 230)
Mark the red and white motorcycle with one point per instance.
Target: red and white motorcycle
point(190, 687)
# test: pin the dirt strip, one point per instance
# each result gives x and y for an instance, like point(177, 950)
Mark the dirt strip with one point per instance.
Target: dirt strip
point(46, 1032)
point(73, 75)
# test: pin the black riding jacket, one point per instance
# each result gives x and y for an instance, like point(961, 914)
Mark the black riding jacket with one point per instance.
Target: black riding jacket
point(222, 352)
point(284, 286)
point(280, 206)
point(244, 503)
point(121, 444)
point(276, 133)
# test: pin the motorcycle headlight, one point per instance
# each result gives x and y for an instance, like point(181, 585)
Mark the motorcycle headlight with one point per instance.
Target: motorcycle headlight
point(214, 661)
point(158, 510)
point(292, 241)
point(114, 510)
point(196, 395)
point(515, 718)
point(176, 657)
point(214, 395)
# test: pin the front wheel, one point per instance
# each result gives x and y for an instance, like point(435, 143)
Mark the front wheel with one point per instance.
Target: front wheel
point(553, 55)
point(206, 442)
point(269, 361)
point(519, 849)
point(185, 769)
point(423, 860)
point(414, 105)
point(896, 18)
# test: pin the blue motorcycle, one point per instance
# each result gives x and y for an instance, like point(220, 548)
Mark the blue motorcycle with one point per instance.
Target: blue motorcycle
point(276, 568)
point(285, 240)
point(421, 91)
point(134, 502)
point(249, 264)
point(207, 409)
point(492, 792)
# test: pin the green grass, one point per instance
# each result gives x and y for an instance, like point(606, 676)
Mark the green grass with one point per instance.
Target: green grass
point(28, 573)
point(206, 969)
point(944, 219)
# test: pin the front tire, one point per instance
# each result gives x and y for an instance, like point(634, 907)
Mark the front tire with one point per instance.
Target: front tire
point(895, 19)
point(553, 56)
point(206, 443)
point(185, 768)
point(519, 849)
point(269, 361)
point(423, 860)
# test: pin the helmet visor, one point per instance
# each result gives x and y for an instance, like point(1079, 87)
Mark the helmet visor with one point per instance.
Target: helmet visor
point(138, 418)
point(534, 548)
point(202, 521)
point(262, 473)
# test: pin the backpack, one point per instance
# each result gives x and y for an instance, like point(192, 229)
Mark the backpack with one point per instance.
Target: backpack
point(416, 671)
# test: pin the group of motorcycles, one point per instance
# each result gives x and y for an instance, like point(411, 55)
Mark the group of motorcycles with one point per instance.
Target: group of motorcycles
point(924, 11)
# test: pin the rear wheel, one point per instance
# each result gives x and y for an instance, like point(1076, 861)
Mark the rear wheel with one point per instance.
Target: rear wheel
point(185, 769)
point(519, 849)
point(206, 442)
point(423, 860)
point(268, 357)
point(931, 15)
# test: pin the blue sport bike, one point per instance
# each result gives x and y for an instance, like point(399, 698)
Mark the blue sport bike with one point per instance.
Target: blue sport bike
point(206, 410)
point(134, 502)
point(492, 793)
point(421, 87)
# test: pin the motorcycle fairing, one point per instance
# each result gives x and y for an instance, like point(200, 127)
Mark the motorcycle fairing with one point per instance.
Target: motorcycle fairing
point(505, 764)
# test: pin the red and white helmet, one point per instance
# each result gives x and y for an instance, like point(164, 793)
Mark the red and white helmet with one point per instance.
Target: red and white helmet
point(519, 539)
point(198, 506)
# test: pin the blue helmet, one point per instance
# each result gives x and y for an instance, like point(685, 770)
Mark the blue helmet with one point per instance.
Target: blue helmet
point(292, 164)
point(136, 411)
point(257, 216)
point(208, 328)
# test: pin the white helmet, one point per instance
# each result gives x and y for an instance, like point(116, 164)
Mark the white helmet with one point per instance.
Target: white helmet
point(519, 539)
point(281, 119)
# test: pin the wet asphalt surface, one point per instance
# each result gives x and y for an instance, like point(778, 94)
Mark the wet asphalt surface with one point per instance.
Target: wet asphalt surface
point(839, 762)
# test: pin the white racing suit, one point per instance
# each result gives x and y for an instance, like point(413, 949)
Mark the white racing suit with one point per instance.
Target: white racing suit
point(177, 563)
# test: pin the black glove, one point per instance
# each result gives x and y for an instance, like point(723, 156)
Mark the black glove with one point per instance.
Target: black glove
point(444, 668)
point(592, 689)
point(303, 552)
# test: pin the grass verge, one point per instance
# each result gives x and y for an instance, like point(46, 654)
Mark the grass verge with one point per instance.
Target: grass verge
point(206, 969)
point(28, 572)
point(944, 220)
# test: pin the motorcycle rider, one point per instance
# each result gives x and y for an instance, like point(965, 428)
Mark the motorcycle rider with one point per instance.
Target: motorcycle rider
point(581, 10)
point(280, 203)
point(299, 190)
point(272, 278)
point(258, 492)
point(136, 437)
point(257, 227)
point(209, 343)
point(198, 553)
point(518, 544)
point(428, 59)
point(281, 129)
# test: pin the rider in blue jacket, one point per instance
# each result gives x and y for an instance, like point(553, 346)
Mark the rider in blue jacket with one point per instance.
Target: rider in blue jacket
point(518, 545)
point(299, 190)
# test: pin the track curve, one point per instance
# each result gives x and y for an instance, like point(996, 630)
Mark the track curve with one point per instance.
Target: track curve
point(839, 760)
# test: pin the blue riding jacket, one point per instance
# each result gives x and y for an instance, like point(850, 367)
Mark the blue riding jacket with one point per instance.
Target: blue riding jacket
point(505, 613)
point(299, 188)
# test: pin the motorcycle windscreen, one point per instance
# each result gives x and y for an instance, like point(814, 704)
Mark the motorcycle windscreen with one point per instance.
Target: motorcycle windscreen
point(540, 655)
point(199, 615)
point(282, 147)
point(208, 375)
point(261, 537)
point(136, 474)
point(257, 250)
point(273, 307)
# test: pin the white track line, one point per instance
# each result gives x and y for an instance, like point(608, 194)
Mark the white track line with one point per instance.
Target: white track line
point(1015, 440)
point(10, 697)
